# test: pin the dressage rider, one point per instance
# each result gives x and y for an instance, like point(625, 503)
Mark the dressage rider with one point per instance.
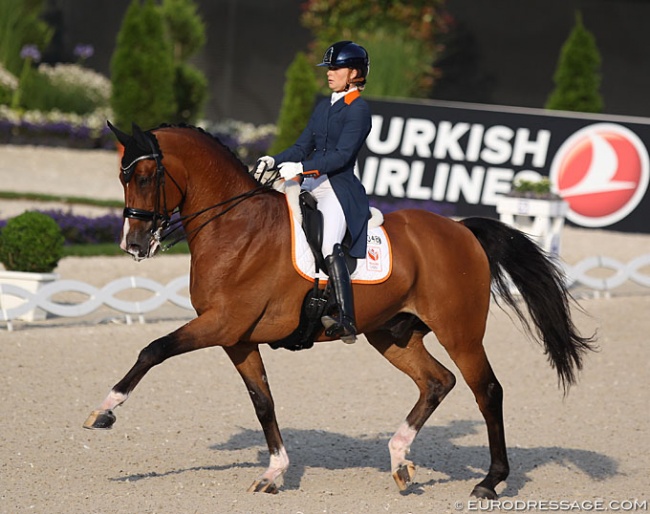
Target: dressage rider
point(324, 157)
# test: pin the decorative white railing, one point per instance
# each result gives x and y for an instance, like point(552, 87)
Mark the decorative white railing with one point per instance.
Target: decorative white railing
point(579, 275)
point(96, 297)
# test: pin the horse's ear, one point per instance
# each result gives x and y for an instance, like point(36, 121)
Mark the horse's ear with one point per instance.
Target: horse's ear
point(122, 137)
point(140, 137)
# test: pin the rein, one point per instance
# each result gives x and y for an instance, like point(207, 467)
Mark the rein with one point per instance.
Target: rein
point(176, 223)
point(168, 226)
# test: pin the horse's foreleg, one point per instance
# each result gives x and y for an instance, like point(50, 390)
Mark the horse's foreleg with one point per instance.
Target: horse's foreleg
point(248, 361)
point(434, 382)
point(187, 338)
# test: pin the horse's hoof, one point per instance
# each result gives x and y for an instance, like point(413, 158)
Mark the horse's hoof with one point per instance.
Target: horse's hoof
point(403, 475)
point(263, 486)
point(484, 493)
point(100, 420)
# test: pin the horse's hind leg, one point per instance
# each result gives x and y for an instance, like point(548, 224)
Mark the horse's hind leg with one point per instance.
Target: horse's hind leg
point(473, 364)
point(408, 354)
point(248, 361)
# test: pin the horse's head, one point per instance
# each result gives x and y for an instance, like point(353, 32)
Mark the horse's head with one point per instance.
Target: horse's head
point(146, 211)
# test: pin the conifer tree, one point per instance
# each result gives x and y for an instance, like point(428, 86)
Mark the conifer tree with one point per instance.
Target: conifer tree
point(142, 69)
point(577, 76)
point(300, 89)
point(186, 32)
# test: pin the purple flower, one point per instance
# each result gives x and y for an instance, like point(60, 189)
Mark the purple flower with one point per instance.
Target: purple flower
point(84, 51)
point(30, 52)
point(79, 229)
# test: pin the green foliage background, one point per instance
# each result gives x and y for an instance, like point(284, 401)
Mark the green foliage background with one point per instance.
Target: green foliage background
point(402, 39)
point(577, 76)
point(39, 93)
point(142, 69)
point(20, 25)
point(186, 31)
point(300, 90)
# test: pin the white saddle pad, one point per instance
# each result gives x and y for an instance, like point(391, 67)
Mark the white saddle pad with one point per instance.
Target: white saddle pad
point(374, 269)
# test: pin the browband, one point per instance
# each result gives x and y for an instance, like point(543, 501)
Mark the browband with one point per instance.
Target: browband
point(128, 170)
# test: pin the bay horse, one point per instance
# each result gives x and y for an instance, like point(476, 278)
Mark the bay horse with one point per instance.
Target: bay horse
point(246, 292)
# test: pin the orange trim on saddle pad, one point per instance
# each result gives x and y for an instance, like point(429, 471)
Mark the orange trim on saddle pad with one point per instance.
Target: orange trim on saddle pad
point(376, 268)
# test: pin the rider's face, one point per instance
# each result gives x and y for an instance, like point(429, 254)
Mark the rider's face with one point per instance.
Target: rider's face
point(337, 78)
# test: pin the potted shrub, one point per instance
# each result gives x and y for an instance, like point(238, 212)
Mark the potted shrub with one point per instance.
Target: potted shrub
point(534, 209)
point(31, 246)
point(533, 189)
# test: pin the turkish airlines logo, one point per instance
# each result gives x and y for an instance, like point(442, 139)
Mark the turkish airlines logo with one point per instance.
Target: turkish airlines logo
point(602, 172)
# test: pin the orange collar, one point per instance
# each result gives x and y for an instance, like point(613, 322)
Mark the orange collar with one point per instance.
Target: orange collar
point(352, 96)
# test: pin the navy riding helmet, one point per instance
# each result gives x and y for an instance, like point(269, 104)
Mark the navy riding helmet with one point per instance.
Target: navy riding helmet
point(346, 54)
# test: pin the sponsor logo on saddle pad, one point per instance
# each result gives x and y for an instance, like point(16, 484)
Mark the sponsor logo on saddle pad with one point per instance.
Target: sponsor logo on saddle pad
point(374, 269)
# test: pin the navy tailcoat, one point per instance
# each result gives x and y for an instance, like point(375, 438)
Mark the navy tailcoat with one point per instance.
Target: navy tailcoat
point(329, 145)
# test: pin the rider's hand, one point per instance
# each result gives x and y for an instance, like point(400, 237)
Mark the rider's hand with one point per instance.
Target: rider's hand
point(288, 170)
point(263, 164)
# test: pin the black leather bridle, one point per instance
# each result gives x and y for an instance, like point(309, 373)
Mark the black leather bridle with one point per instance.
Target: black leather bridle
point(160, 217)
point(162, 225)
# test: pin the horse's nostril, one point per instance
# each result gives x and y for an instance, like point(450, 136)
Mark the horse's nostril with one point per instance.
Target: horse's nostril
point(135, 249)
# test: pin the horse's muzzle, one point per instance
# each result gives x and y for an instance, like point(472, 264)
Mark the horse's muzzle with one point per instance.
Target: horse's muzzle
point(138, 240)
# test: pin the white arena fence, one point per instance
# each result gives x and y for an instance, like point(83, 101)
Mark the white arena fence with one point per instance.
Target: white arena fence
point(158, 295)
point(582, 273)
point(598, 274)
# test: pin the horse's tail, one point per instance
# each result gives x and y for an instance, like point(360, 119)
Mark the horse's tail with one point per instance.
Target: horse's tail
point(541, 284)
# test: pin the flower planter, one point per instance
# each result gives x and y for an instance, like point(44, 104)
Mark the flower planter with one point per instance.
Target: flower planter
point(30, 282)
point(541, 219)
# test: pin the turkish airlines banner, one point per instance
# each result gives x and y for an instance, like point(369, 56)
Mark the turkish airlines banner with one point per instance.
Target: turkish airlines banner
point(457, 159)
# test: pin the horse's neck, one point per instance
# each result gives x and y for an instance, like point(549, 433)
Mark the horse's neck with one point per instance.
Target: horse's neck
point(212, 177)
point(230, 214)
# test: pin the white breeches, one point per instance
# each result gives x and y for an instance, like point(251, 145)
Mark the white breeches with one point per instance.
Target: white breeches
point(334, 225)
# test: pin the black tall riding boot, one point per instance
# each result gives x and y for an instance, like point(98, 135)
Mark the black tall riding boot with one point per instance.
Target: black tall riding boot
point(344, 327)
